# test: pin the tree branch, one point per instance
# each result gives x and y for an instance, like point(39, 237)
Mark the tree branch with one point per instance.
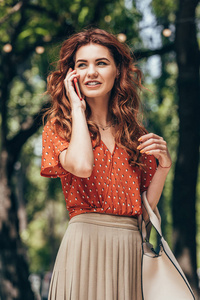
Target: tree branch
point(140, 54)
point(34, 7)
point(65, 32)
point(28, 128)
point(12, 11)
point(97, 12)
point(42, 9)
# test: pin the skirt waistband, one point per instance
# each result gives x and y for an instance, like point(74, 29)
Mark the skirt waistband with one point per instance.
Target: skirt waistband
point(123, 222)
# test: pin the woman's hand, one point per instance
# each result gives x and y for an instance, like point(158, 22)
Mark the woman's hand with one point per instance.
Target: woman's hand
point(70, 90)
point(153, 144)
point(78, 158)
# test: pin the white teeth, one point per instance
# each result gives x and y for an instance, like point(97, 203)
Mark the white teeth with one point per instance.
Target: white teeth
point(93, 83)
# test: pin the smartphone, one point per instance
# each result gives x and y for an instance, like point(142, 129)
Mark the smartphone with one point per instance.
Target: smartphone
point(77, 88)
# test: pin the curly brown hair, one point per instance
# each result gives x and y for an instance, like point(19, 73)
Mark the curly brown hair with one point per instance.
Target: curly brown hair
point(124, 101)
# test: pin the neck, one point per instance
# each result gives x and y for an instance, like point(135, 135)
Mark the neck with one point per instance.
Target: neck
point(99, 111)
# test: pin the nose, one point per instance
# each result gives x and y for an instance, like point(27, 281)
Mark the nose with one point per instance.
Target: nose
point(92, 72)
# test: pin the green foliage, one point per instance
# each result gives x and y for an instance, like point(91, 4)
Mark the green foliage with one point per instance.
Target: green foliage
point(160, 115)
point(26, 97)
point(46, 213)
point(43, 235)
point(165, 10)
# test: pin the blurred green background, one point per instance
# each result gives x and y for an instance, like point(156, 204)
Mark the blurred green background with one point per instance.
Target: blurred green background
point(164, 37)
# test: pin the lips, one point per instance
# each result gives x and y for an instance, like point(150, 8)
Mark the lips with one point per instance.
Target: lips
point(92, 83)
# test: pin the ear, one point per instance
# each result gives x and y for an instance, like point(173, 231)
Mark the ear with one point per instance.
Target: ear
point(118, 71)
point(118, 74)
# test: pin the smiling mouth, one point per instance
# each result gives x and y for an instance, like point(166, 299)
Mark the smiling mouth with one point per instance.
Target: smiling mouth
point(92, 83)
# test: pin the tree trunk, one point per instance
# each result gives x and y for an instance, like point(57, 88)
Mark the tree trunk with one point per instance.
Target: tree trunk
point(14, 282)
point(184, 191)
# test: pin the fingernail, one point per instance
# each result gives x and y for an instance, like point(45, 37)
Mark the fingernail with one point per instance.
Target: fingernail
point(139, 139)
point(139, 147)
point(147, 152)
point(142, 151)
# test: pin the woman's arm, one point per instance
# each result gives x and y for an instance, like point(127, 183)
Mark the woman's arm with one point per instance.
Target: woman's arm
point(153, 144)
point(78, 159)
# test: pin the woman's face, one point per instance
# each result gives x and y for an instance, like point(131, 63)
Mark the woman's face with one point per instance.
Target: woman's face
point(97, 69)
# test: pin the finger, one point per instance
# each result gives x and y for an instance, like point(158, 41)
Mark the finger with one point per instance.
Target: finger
point(68, 81)
point(70, 75)
point(153, 147)
point(162, 156)
point(147, 136)
point(69, 71)
point(152, 141)
point(157, 153)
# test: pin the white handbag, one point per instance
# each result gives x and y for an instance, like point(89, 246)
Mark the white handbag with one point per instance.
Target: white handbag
point(162, 276)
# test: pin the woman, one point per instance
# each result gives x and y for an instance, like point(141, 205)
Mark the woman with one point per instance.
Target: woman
point(105, 159)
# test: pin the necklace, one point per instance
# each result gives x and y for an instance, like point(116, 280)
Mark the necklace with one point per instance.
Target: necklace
point(105, 127)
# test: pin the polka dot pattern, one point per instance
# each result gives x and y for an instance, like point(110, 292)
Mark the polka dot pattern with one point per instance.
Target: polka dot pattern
point(114, 186)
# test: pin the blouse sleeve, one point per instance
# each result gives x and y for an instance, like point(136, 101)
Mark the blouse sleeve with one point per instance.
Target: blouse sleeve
point(52, 146)
point(148, 172)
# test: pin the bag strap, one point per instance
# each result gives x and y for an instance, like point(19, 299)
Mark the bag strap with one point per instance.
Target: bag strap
point(155, 220)
point(154, 217)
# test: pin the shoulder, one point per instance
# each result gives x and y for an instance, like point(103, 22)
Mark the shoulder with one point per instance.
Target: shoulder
point(53, 127)
point(50, 123)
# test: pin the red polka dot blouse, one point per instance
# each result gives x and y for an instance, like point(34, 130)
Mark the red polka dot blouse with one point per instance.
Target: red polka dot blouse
point(114, 186)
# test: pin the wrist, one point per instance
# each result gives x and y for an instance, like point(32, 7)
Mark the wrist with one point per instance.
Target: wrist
point(167, 167)
point(77, 109)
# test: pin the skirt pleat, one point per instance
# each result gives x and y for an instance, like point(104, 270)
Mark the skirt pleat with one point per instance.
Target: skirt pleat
point(99, 259)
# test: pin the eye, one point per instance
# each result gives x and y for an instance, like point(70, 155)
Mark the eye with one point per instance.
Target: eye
point(81, 65)
point(102, 63)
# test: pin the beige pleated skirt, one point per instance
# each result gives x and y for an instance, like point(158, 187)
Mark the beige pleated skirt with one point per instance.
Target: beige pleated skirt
point(99, 259)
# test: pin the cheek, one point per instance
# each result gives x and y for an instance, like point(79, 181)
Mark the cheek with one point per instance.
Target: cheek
point(112, 78)
point(81, 76)
point(112, 75)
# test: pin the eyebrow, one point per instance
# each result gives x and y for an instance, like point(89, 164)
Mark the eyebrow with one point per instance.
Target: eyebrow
point(84, 60)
